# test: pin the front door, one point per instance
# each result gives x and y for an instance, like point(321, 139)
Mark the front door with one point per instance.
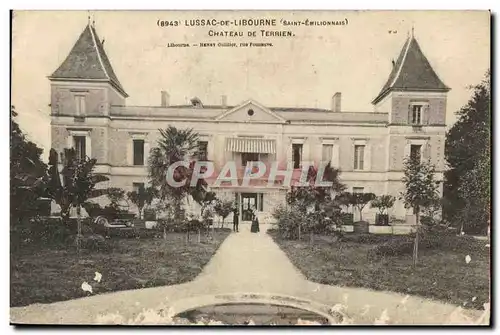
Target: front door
point(248, 205)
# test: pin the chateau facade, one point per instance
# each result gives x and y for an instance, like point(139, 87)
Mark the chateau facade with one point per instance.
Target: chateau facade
point(89, 112)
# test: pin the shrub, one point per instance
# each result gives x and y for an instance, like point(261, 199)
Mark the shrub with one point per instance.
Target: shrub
point(288, 220)
point(40, 231)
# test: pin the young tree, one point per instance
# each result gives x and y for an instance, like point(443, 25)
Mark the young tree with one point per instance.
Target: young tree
point(28, 173)
point(142, 197)
point(73, 185)
point(357, 200)
point(421, 190)
point(468, 154)
point(223, 208)
point(312, 197)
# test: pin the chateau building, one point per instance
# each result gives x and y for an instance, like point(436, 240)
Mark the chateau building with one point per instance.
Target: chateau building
point(89, 112)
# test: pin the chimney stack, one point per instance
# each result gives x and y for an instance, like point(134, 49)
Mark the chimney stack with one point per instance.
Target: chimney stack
point(165, 99)
point(223, 101)
point(336, 100)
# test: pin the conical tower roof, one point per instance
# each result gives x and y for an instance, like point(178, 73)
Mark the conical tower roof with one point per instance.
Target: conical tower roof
point(411, 72)
point(87, 60)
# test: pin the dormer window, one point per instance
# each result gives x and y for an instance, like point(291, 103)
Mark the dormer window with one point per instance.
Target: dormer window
point(196, 102)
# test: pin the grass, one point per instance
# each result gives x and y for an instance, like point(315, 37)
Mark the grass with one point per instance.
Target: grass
point(44, 275)
point(442, 272)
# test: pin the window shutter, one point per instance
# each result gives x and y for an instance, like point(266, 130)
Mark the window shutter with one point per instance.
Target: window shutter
point(409, 113)
point(368, 158)
point(426, 114)
point(88, 146)
point(427, 151)
point(146, 152)
point(336, 156)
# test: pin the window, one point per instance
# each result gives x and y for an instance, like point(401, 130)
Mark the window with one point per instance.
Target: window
point(137, 186)
point(416, 115)
point(327, 153)
point(79, 105)
point(80, 147)
point(249, 157)
point(138, 152)
point(202, 150)
point(359, 157)
point(358, 190)
point(415, 152)
point(297, 155)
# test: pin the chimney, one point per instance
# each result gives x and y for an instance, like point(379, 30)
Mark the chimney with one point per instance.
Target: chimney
point(223, 101)
point(336, 99)
point(165, 99)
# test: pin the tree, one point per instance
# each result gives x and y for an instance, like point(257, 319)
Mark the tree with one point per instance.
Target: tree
point(383, 203)
point(421, 190)
point(467, 189)
point(312, 197)
point(142, 197)
point(357, 200)
point(223, 208)
point(73, 185)
point(28, 173)
point(176, 145)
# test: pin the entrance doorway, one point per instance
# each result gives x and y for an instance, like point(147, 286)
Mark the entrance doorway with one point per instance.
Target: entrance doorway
point(248, 205)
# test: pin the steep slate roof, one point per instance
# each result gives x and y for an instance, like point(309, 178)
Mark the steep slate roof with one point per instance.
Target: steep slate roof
point(88, 60)
point(411, 72)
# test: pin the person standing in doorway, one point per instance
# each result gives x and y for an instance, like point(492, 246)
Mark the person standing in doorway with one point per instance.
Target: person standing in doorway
point(254, 228)
point(236, 219)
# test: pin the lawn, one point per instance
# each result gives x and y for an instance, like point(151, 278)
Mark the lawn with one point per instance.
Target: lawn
point(43, 275)
point(442, 272)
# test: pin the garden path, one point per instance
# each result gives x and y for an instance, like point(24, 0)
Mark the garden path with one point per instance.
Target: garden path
point(249, 263)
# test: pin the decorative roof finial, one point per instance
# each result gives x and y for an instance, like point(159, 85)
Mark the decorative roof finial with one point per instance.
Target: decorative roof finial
point(88, 17)
point(412, 30)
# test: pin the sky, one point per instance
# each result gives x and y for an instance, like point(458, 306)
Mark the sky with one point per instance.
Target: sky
point(300, 71)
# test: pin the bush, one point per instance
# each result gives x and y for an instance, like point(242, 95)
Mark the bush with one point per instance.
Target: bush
point(40, 231)
point(288, 220)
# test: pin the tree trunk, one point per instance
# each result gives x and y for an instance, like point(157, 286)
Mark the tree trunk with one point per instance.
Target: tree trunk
point(415, 243)
point(199, 235)
point(164, 233)
point(311, 238)
point(79, 229)
point(299, 231)
point(65, 214)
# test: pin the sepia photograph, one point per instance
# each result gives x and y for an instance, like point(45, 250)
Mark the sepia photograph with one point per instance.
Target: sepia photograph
point(239, 168)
